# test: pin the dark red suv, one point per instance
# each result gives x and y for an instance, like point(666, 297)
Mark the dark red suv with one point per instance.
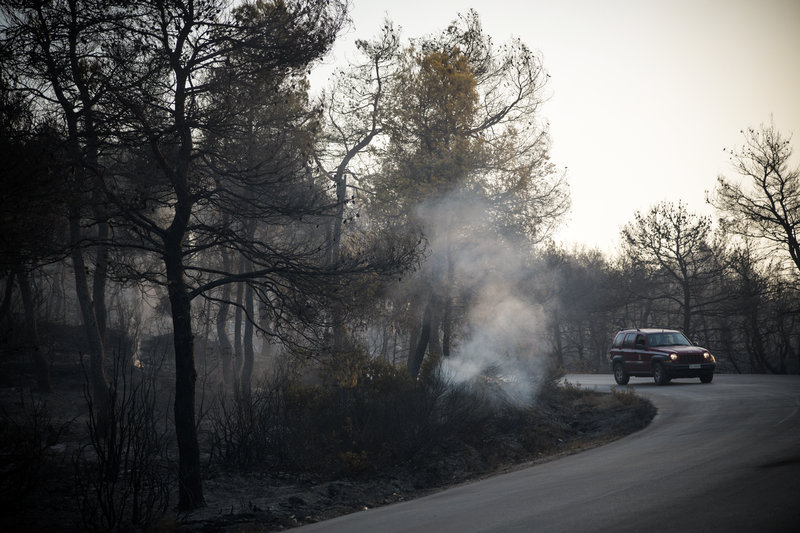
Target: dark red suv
point(661, 353)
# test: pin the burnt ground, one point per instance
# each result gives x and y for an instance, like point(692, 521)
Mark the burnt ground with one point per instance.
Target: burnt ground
point(39, 493)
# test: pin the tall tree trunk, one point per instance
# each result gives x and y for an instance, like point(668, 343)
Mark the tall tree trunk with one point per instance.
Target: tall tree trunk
point(190, 487)
point(40, 362)
point(225, 347)
point(190, 484)
point(413, 336)
point(426, 330)
point(341, 200)
point(447, 317)
point(339, 333)
point(237, 329)
point(97, 372)
point(5, 306)
point(385, 343)
point(247, 363)
point(100, 279)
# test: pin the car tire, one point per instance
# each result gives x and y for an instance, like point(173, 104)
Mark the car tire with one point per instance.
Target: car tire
point(706, 378)
point(660, 375)
point(620, 376)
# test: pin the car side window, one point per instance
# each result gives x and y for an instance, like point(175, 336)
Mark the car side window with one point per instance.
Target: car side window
point(618, 340)
point(640, 341)
point(628, 343)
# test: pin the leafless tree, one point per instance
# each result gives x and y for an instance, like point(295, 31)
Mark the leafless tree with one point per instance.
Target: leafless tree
point(765, 202)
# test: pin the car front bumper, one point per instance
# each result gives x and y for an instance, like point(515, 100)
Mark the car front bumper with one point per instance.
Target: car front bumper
point(683, 370)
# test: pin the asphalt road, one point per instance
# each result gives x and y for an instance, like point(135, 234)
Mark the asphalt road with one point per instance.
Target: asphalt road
point(718, 457)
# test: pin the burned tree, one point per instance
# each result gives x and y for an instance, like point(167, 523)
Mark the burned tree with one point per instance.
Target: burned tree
point(170, 51)
point(56, 55)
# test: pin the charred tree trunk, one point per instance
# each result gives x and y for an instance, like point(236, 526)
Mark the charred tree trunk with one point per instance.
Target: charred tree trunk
point(249, 352)
point(99, 281)
point(339, 332)
point(5, 306)
point(97, 373)
point(413, 336)
point(237, 329)
point(190, 485)
point(190, 488)
point(428, 336)
point(415, 359)
point(447, 317)
point(225, 347)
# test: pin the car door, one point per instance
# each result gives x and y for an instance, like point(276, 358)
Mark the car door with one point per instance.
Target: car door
point(629, 353)
point(640, 362)
point(642, 353)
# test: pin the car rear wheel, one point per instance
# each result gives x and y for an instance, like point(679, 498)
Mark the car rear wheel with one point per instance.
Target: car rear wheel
point(660, 375)
point(706, 378)
point(620, 376)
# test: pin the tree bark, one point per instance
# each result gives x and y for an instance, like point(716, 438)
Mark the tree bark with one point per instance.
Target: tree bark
point(249, 352)
point(447, 317)
point(190, 487)
point(426, 330)
point(99, 280)
point(97, 372)
point(5, 306)
point(225, 347)
point(237, 329)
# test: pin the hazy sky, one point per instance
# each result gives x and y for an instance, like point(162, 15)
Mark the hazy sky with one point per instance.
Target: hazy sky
point(643, 95)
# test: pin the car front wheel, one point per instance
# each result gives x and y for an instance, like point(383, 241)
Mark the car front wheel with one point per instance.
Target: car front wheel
point(620, 376)
point(660, 375)
point(706, 378)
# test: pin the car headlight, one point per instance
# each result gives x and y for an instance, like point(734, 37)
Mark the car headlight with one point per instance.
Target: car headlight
point(708, 357)
point(673, 356)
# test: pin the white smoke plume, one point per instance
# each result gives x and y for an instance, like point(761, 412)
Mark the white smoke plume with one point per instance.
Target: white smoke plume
point(498, 346)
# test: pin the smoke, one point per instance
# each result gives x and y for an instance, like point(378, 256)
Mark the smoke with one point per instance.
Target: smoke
point(498, 349)
point(496, 346)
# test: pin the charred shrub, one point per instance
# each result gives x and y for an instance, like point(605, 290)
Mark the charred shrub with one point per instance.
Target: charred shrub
point(250, 431)
point(123, 475)
point(351, 424)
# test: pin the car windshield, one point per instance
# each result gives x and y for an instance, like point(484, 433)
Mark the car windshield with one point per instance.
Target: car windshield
point(672, 338)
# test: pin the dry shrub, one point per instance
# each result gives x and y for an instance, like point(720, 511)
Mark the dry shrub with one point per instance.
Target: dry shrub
point(123, 476)
point(250, 431)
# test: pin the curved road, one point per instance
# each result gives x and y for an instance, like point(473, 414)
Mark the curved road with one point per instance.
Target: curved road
point(718, 457)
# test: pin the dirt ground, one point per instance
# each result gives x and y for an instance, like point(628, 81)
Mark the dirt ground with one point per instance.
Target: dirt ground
point(568, 422)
